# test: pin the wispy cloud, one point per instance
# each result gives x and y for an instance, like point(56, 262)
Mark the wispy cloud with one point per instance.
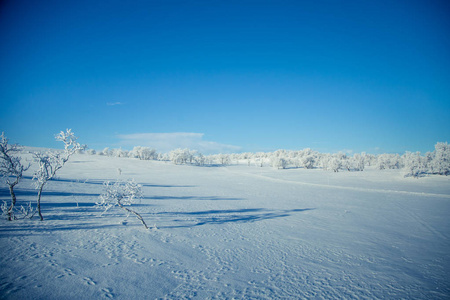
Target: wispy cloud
point(114, 103)
point(164, 142)
point(348, 151)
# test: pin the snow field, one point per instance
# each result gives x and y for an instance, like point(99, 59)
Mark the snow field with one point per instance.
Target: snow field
point(234, 232)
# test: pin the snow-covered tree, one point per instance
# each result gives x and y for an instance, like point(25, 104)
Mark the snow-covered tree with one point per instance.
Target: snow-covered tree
point(297, 162)
point(224, 159)
point(163, 157)
point(440, 163)
point(121, 194)
point(52, 161)
point(332, 162)
point(179, 156)
point(357, 162)
point(279, 162)
point(369, 159)
point(259, 159)
point(91, 152)
point(305, 158)
point(144, 153)
point(105, 152)
point(200, 159)
point(11, 169)
point(308, 161)
point(119, 153)
point(389, 161)
point(414, 164)
point(335, 164)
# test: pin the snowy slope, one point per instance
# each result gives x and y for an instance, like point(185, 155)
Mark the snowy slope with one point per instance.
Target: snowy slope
point(231, 232)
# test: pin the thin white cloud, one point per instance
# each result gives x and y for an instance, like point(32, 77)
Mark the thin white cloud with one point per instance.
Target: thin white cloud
point(348, 151)
point(114, 103)
point(164, 142)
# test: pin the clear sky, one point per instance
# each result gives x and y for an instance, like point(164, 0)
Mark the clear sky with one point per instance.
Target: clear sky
point(227, 76)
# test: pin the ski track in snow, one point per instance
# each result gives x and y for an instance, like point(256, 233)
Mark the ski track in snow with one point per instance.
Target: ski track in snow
point(221, 235)
point(349, 188)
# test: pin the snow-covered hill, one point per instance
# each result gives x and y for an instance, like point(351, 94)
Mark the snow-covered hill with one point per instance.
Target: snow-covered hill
point(230, 232)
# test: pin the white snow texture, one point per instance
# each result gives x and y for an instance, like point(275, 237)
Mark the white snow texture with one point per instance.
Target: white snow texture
point(230, 232)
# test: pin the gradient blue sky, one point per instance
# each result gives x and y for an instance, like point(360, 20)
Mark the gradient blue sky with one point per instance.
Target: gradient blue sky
point(234, 76)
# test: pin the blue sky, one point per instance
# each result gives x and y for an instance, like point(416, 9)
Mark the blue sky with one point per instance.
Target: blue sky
point(227, 76)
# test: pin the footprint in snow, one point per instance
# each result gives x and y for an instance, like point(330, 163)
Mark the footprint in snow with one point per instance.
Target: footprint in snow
point(88, 281)
point(67, 272)
point(107, 293)
point(53, 263)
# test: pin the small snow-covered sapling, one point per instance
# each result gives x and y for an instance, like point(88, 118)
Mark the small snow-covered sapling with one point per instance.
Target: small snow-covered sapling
point(121, 194)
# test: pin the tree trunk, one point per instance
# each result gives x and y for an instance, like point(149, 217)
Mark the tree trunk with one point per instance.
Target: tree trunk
point(133, 212)
point(13, 202)
point(39, 202)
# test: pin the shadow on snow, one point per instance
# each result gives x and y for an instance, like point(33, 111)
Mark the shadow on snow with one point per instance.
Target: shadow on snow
point(217, 217)
point(102, 181)
point(23, 192)
point(205, 198)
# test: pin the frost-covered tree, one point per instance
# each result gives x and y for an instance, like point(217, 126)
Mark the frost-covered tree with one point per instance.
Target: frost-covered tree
point(52, 161)
point(105, 152)
point(414, 164)
point(144, 153)
point(324, 160)
point(11, 169)
point(279, 162)
point(383, 161)
point(121, 194)
point(297, 162)
point(389, 161)
point(179, 156)
point(200, 159)
point(369, 159)
point(259, 159)
point(306, 158)
point(440, 163)
point(187, 156)
point(224, 159)
point(119, 153)
point(335, 164)
point(308, 161)
point(357, 162)
point(163, 157)
point(91, 152)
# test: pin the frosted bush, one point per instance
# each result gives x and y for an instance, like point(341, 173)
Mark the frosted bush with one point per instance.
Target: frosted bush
point(308, 162)
point(91, 152)
point(414, 164)
point(335, 164)
point(11, 169)
point(52, 161)
point(279, 162)
point(143, 153)
point(224, 159)
point(357, 162)
point(440, 163)
point(389, 161)
point(121, 194)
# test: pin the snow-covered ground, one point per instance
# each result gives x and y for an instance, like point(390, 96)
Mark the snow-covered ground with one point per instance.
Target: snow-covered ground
point(230, 232)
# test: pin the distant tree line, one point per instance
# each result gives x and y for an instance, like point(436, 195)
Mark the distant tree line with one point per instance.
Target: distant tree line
point(415, 164)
